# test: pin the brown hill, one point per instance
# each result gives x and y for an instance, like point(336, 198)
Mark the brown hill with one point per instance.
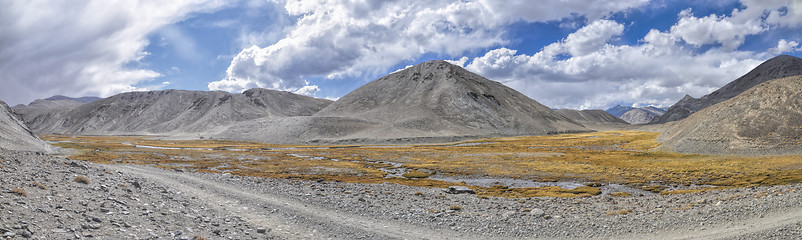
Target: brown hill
point(766, 119)
point(777, 67)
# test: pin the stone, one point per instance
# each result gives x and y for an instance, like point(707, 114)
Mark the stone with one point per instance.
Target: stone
point(9, 234)
point(261, 230)
point(537, 212)
point(459, 190)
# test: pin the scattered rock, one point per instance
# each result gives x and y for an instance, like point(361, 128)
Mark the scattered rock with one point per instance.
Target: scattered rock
point(459, 190)
point(537, 212)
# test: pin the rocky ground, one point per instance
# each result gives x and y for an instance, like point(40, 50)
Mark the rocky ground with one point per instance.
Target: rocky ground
point(139, 202)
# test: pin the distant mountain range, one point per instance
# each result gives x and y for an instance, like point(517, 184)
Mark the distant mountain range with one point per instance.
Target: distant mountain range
point(431, 101)
point(435, 101)
point(634, 115)
point(174, 112)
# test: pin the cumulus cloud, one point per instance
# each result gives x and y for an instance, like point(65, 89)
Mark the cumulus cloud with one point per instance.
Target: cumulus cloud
point(585, 70)
point(730, 32)
point(784, 46)
point(657, 71)
point(81, 48)
point(364, 38)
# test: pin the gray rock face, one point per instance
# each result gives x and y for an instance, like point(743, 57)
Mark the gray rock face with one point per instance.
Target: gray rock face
point(642, 115)
point(434, 100)
point(777, 67)
point(766, 119)
point(14, 135)
point(172, 112)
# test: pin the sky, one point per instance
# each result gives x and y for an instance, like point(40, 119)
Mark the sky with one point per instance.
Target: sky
point(563, 53)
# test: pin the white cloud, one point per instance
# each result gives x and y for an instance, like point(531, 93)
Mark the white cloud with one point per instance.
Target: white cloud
point(364, 38)
point(547, 10)
point(308, 90)
point(730, 32)
point(658, 71)
point(81, 48)
point(585, 71)
point(784, 46)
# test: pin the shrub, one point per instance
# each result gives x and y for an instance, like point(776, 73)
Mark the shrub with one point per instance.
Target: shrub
point(20, 191)
point(40, 185)
point(82, 179)
point(416, 174)
point(621, 194)
point(619, 212)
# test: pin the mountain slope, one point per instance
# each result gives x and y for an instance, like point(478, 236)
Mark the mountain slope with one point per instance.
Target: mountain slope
point(766, 119)
point(173, 112)
point(590, 116)
point(777, 67)
point(618, 110)
point(14, 135)
point(432, 100)
point(642, 115)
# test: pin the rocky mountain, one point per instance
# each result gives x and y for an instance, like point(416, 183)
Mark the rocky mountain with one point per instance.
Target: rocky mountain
point(618, 110)
point(172, 112)
point(642, 115)
point(777, 67)
point(432, 101)
point(51, 107)
point(590, 116)
point(14, 135)
point(79, 99)
point(766, 119)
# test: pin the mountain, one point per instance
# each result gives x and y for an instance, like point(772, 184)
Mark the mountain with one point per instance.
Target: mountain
point(431, 101)
point(777, 67)
point(172, 112)
point(766, 119)
point(618, 110)
point(50, 107)
point(642, 115)
point(14, 135)
point(80, 99)
point(590, 116)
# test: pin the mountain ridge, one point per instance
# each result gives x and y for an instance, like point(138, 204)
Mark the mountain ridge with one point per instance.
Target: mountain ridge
point(778, 67)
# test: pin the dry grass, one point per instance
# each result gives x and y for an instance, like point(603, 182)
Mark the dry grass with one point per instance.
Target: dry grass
point(198, 237)
point(618, 212)
point(416, 174)
point(82, 179)
point(654, 188)
point(455, 207)
point(40, 185)
point(623, 157)
point(19, 191)
point(621, 194)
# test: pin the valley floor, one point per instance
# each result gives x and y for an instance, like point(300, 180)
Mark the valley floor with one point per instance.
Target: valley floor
point(42, 199)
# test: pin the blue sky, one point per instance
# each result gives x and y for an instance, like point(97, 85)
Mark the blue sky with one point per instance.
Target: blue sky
point(564, 54)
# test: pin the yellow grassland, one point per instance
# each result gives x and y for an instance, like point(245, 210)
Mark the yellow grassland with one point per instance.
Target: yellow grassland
point(623, 157)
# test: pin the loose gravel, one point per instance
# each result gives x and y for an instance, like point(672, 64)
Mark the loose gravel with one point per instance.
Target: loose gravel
point(140, 202)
